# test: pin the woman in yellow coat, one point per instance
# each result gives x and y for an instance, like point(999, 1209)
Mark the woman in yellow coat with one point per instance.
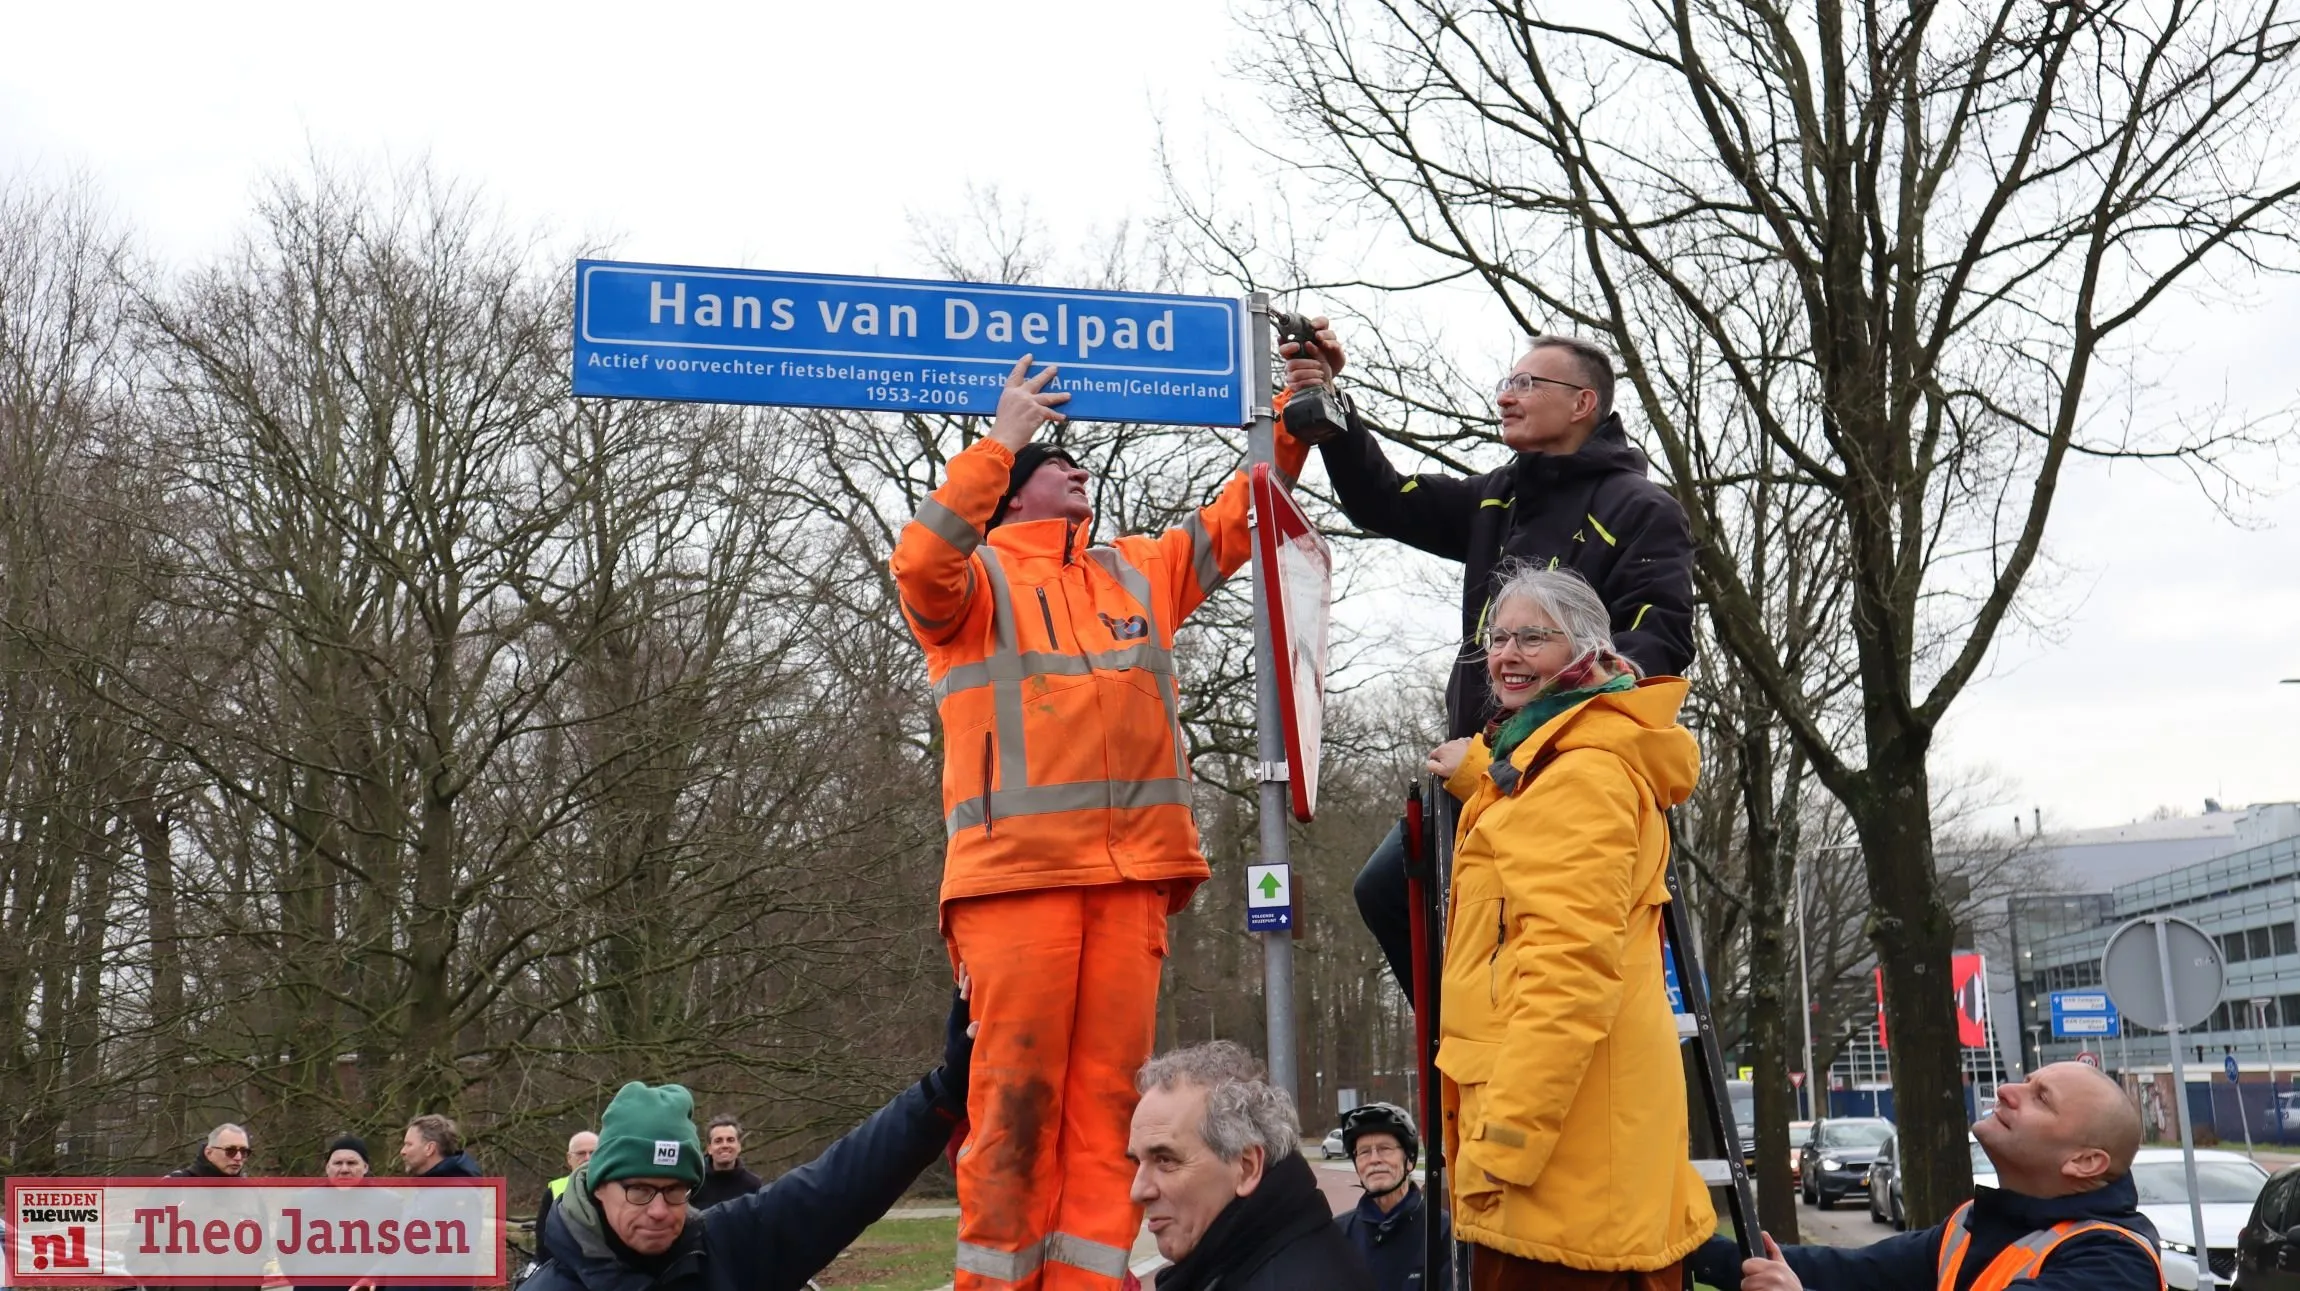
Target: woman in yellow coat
point(1564, 1094)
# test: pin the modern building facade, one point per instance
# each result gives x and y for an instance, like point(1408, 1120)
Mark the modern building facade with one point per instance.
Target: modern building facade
point(2247, 898)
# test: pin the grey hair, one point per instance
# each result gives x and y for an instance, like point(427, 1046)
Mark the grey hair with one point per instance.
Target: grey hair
point(1567, 599)
point(1595, 362)
point(226, 1128)
point(1242, 1107)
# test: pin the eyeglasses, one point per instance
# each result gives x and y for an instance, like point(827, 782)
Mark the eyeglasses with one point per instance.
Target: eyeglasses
point(1526, 639)
point(230, 1152)
point(644, 1194)
point(1523, 382)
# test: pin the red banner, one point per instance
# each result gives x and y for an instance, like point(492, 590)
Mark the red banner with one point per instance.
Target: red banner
point(1969, 977)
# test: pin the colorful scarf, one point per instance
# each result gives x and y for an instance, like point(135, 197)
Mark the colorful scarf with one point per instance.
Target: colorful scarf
point(1574, 683)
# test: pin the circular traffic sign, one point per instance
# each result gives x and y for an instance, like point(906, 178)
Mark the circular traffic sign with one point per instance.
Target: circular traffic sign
point(2134, 969)
point(2089, 1059)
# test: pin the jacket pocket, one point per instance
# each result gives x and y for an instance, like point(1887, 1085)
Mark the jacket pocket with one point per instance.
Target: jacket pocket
point(1473, 978)
point(1466, 1061)
point(989, 760)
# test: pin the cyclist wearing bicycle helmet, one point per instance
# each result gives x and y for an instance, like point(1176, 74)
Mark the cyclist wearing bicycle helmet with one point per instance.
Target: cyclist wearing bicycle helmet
point(1387, 1225)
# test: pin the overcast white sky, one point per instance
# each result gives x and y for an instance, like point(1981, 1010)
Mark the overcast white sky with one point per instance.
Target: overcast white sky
point(781, 135)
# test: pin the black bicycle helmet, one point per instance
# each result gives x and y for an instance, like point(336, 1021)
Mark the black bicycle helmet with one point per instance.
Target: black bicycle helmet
point(1380, 1118)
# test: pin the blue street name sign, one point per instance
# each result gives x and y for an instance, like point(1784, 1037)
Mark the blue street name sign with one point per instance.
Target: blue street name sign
point(2084, 1015)
point(649, 331)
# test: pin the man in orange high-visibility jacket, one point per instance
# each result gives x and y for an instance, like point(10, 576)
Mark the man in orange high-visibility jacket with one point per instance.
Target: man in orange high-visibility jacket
point(1066, 802)
point(2065, 1215)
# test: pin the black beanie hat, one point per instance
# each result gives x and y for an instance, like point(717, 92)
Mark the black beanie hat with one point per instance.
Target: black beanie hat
point(354, 1143)
point(1027, 460)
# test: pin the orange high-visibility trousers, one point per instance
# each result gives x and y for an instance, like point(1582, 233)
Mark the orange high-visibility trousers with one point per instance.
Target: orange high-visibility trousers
point(1066, 991)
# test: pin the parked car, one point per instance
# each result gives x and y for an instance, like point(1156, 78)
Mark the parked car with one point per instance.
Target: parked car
point(1885, 1179)
point(1332, 1147)
point(1799, 1132)
point(2288, 1112)
point(2268, 1246)
point(1744, 1096)
point(1834, 1163)
point(2228, 1184)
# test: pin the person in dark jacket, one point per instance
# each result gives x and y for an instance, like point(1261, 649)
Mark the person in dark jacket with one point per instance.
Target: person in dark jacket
point(223, 1155)
point(1576, 495)
point(1389, 1224)
point(580, 1145)
point(626, 1222)
point(726, 1179)
point(432, 1148)
point(346, 1162)
point(2062, 1142)
point(1219, 1174)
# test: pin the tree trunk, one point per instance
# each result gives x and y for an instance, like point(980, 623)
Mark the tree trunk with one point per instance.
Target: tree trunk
point(1914, 939)
point(1769, 968)
point(154, 842)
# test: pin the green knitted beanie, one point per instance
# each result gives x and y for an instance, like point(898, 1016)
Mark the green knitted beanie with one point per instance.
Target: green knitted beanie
point(648, 1133)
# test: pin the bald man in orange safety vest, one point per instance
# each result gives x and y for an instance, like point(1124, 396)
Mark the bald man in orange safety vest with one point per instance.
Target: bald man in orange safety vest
point(2065, 1216)
point(1066, 793)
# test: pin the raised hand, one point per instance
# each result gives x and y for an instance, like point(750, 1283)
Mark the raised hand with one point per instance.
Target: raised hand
point(1315, 365)
point(1024, 405)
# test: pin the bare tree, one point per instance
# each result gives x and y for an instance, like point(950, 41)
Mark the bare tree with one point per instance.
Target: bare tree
point(1970, 214)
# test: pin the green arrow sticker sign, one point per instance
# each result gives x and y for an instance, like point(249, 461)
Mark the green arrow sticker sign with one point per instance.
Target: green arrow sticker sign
point(1269, 898)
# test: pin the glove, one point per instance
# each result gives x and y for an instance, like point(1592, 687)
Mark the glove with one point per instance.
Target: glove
point(957, 1054)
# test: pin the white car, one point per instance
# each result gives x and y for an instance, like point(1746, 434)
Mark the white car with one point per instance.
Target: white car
point(2288, 1113)
point(2227, 1184)
point(1332, 1147)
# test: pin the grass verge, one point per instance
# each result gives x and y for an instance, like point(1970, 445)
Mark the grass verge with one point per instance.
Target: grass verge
point(895, 1255)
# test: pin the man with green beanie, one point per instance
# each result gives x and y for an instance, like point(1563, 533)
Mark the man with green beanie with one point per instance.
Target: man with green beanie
point(624, 1223)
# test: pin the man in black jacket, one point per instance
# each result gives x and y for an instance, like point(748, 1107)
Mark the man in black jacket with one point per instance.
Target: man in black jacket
point(2065, 1218)
point(1219, 1174)
point(432, 1148)
point(626, 1223)
point(1389, 1224)
point(725, 1179)
point(1576, 494)
point(224, 1155)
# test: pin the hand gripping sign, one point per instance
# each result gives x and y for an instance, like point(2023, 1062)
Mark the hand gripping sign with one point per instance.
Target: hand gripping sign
point(1299, 569)
point(223, 1232)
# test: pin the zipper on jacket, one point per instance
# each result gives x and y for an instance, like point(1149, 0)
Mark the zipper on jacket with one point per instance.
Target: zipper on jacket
point(1493, 961)
point(1053, 642)
point(987, 750)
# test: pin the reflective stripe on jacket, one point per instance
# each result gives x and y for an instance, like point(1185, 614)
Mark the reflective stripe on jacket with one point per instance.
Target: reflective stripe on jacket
point(1052, 666)
point(2024, 1258)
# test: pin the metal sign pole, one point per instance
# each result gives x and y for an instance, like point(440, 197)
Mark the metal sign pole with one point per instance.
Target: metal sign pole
point(2204, 1279)
point(1269, 734)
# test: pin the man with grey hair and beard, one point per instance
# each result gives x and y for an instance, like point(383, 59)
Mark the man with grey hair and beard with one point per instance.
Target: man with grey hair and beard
point(1219, 1174)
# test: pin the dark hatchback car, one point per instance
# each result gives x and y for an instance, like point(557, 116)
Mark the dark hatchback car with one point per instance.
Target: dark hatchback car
point(1835, 1162)
point(2267, 1252)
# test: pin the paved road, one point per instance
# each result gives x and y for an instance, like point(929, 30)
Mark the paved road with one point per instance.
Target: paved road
point(1848, 1224)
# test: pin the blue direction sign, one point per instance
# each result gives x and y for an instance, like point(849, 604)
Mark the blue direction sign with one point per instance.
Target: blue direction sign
point(650, 331)
point(2083, 1015)
point(2230, 1067)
